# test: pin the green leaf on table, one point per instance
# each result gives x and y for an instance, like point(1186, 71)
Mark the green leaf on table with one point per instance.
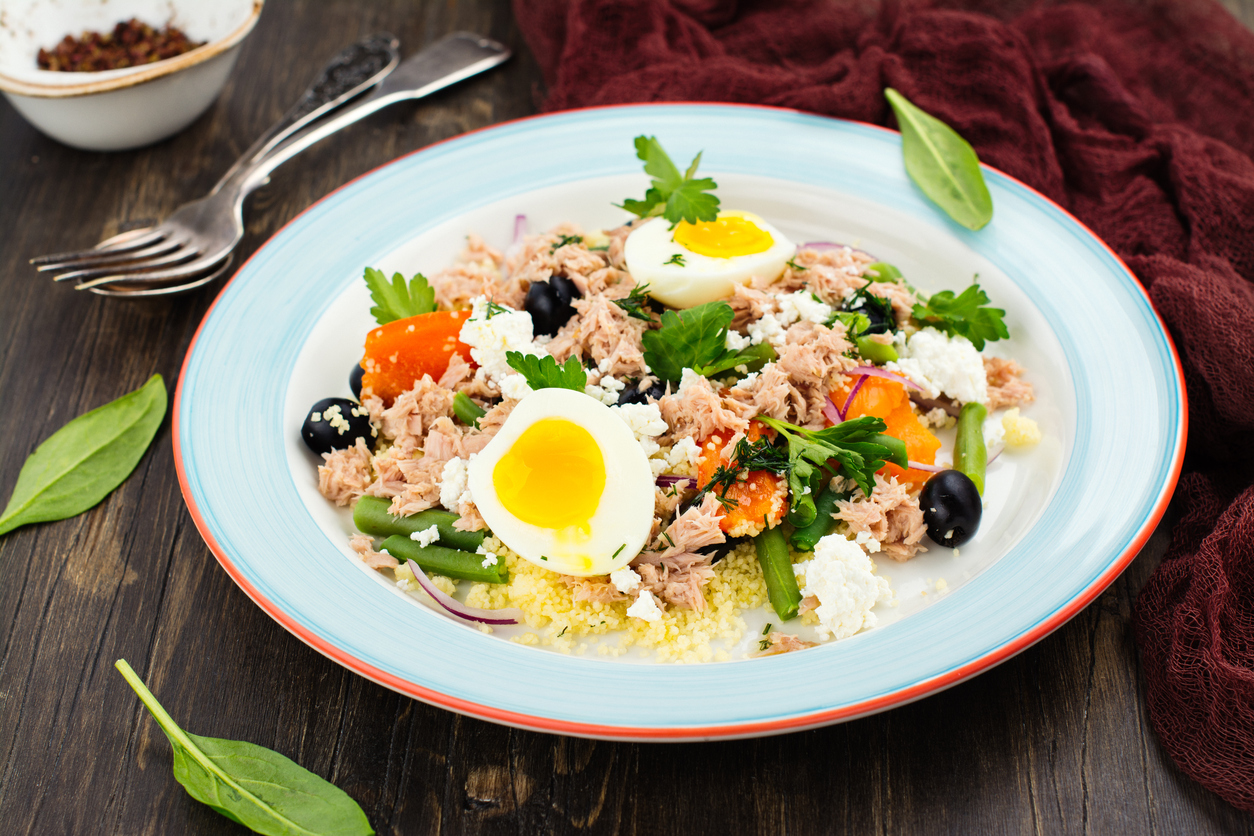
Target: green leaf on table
point(398, 299)
point(676, 197)
point(965, 315)
point(252, 785)
point(942, 163)
point(545, 373)
point(81, 463)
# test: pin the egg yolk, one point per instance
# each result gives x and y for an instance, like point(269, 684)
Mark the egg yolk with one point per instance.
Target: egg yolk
point(553, 476)
point(727, 236)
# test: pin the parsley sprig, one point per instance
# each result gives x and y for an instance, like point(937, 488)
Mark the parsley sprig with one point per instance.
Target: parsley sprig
point(854, 449)
point(545, 373)
point(676, 197)
point(965, 315)
point(697, 339)
point(398, 299)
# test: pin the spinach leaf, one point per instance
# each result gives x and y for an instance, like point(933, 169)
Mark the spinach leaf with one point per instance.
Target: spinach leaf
point(398, 300)
point(943, 164)
point(545, 373)
point(81, 463)
point(252, 785)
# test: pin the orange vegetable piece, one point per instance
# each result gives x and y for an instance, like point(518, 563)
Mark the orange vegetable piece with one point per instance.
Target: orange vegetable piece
point(400, 353)
point(889, 400)
point(762, 496)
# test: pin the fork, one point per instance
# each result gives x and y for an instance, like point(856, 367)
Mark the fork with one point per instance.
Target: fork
point(352, 71)
point(194, 245)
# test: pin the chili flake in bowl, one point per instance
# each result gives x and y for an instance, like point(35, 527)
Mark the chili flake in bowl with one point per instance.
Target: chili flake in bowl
point(130, 44)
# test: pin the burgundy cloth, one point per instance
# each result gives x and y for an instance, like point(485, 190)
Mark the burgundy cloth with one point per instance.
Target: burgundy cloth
point(1138, 117)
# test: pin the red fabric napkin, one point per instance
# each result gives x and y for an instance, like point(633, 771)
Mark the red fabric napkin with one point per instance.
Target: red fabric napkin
point(1138, 117)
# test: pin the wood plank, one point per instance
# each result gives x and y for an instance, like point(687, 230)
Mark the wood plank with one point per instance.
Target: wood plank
point(1055, 740)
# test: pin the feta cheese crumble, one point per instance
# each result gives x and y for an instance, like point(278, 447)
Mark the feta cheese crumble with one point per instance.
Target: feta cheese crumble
point(645, 608)
point(426, 537)
point(489, 558)
point(802, 305)
point(735, 341)
point(941, 364)
point(768, 329)
point(452, 483)
point(515, 387)
point(843, 578)
point(491, 334)
point(625, 580)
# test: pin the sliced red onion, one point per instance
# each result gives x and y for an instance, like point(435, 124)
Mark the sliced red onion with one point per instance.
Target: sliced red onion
point(669, 481)
point(930, 468)
point(876, 371)
point(949, 406)
point(511, 615)
point(832, 411)
point(852, 392)
point(996, 453)
point(520, 228)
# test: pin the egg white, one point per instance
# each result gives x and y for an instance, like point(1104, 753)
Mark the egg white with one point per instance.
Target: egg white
point(624, 516)
point(701, 278)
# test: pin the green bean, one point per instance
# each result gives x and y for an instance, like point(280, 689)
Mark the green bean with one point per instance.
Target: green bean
point(875, 352)
point(371, 516)
point(970, 455)
point(805, 538)
point(451, 562)
point(781, 583)
point(885, 271)
point(466, 410)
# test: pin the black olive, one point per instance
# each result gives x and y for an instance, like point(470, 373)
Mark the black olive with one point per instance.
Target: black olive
point(549, 304)
point(633, 395)
point(951, 508)
point(354, 380)
point(566, 289)
point(336, 423)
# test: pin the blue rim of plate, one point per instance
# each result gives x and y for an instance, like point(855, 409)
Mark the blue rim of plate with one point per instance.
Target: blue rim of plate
point(229, 451)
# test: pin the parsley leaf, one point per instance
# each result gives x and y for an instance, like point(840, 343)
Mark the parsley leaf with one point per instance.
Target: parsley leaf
point(966, 315)
point(697, 339)
point(687, 339)
point(545, 373)
point(398, 300)
point(676, 197)
point(854, 449)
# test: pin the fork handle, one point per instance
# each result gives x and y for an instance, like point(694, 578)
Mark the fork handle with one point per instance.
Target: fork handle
point(350, 72)
point(447, 61)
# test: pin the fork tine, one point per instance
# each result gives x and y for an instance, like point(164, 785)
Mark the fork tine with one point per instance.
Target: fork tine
point(182, 271)
point(118, 243)
point(106, 257)
point(104, 290)
point(185, 252)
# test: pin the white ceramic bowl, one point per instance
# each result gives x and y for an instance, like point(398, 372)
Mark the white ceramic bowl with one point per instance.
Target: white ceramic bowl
point(114, 110)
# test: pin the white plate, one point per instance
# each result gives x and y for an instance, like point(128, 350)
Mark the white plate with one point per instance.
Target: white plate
point(1061, 522)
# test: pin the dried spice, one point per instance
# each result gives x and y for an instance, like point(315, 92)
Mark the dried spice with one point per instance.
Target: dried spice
point(130, 44)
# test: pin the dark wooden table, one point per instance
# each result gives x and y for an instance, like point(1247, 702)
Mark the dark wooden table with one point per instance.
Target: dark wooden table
point(1055, 740)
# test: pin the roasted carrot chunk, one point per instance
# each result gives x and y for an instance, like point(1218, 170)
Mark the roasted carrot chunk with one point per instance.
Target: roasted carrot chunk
point(400, 353)
point(762, 496)
point(888, 399)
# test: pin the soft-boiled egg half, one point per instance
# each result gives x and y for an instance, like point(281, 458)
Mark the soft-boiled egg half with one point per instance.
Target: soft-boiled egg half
point(565, 484)
point(697, 263)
